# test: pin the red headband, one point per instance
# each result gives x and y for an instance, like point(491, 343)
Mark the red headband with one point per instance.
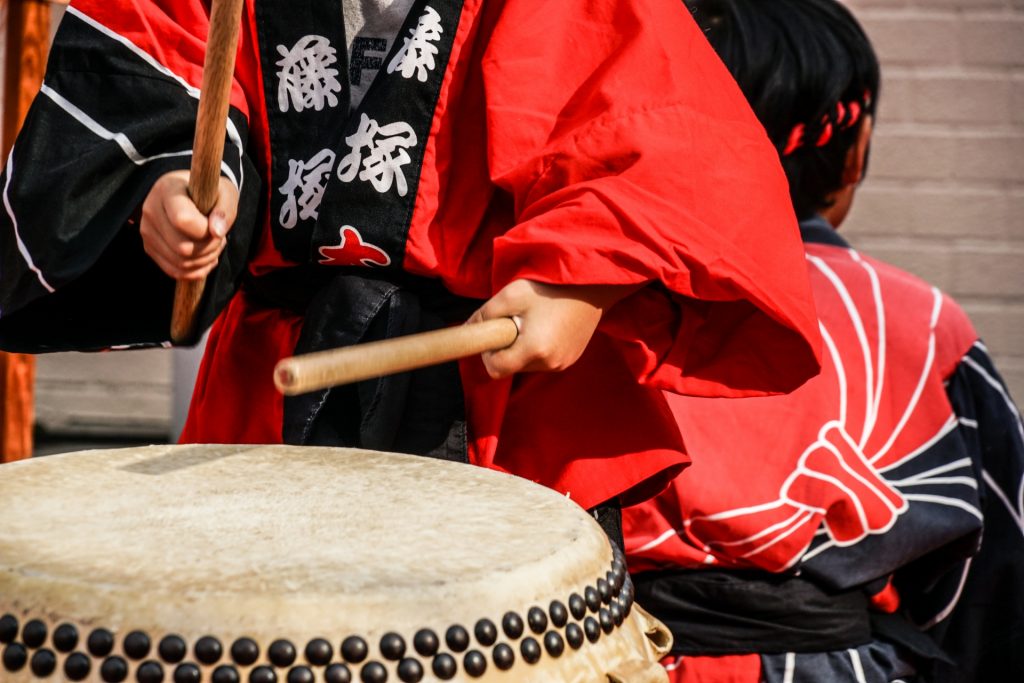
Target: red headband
point(847, 116)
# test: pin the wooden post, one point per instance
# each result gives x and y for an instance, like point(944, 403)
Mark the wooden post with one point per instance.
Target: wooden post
point(27, 41)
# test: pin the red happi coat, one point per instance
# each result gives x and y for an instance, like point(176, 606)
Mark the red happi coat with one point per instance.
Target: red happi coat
point(778, 479)
point(569, 142)
point(899, 450)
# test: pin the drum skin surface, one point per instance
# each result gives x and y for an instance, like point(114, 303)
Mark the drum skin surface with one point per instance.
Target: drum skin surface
point(254, 564)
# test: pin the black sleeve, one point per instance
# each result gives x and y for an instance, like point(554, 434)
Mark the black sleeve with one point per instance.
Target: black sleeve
point(106, 124)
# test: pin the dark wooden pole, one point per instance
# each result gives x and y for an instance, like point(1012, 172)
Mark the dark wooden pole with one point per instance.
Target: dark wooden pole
point(27, 42)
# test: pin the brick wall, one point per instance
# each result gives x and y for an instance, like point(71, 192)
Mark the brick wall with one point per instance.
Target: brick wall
point(945, 193)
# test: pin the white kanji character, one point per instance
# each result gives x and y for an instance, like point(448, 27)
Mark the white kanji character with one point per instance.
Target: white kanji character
point(385, 155)
point(417, 53)
point(310, 177)
point(304, 79)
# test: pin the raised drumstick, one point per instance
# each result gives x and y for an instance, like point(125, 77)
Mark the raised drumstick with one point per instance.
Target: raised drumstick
point(208, 146)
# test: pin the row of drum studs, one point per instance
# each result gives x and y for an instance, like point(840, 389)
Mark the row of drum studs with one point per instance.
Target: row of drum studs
point(614, 590)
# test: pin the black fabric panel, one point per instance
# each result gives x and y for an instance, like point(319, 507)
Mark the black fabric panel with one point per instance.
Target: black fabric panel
point(73, 318)
point(72, 192)
point(609, 516)
point(382, 219)
point(299, 134)
point(419, 412)
point(124, 93)
point(984, 634)
point(712, 612)
point(876, 662)
point(123, 298)
point(896, 629)
point(817, 230)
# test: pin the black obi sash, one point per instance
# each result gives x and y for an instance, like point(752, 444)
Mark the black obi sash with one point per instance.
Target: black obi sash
point(719, 612)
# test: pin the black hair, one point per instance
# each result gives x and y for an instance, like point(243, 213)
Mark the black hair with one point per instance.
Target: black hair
point(800, 63)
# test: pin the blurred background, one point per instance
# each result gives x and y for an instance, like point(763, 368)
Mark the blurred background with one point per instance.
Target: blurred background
point(944, 199)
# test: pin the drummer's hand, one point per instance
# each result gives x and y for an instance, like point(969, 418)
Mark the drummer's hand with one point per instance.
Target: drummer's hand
point(182, 241)
point(555, 323)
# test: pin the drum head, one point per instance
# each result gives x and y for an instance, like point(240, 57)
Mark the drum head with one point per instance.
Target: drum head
point(275, 563)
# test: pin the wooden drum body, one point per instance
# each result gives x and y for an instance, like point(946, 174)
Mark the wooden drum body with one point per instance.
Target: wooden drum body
point(273, 564)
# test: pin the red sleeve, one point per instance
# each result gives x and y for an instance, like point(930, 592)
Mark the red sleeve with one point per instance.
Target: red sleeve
point(632, 157)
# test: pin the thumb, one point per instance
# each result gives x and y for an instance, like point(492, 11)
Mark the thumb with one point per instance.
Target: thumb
point(222, 217)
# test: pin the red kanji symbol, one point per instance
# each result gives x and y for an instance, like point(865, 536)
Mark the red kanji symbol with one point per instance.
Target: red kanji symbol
point(353, 251)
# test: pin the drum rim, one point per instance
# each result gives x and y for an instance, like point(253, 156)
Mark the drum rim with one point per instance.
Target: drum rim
point(590, 614)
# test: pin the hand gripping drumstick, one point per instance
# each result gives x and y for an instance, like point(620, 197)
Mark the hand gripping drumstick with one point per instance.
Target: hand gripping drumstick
point(208, 147)
point(300, 374)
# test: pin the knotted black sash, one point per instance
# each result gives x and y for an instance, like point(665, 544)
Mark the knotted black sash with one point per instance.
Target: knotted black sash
point(714, 612)
point(721, 612)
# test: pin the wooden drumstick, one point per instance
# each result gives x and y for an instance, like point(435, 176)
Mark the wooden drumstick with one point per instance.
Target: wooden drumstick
point(208, 146)
point(300, 374)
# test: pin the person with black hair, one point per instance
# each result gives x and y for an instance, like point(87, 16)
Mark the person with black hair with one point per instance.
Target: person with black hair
point(869, 526)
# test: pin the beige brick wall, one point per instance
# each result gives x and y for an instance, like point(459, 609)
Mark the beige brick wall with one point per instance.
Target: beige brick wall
point(945, 194)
